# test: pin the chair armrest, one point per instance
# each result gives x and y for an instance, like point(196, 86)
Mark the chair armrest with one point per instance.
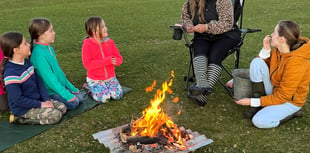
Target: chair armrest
point(247, 30)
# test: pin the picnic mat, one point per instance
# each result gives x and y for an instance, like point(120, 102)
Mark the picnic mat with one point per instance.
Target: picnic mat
point(11, 134)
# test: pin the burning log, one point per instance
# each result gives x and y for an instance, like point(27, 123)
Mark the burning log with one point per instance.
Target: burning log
point(143, 140)
point(170, 132)
point(125, 138)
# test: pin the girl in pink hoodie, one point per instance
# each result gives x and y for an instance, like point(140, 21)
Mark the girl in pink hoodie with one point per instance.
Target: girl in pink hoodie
point(3, 96)
point(100, 56)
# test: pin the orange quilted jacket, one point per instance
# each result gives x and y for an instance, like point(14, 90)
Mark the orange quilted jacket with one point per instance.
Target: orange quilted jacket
point(290, 76)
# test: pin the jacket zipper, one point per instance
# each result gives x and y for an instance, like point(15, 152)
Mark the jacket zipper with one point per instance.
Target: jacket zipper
point(275, 69)
point(105, 70)
point(49, 49)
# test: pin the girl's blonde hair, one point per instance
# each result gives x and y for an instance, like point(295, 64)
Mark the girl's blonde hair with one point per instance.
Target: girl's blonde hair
point(91, 25)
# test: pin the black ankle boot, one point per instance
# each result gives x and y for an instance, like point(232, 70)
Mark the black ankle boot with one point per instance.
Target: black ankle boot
point(296, 114)
point(258, 89)
point(195, 91)
point(250, 113)
point(196, 100)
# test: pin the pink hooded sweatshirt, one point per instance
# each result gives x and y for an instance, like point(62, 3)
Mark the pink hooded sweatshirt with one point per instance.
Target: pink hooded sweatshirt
point(1, 85)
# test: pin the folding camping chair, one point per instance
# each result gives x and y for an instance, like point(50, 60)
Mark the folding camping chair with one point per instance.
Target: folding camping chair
point(238, 17)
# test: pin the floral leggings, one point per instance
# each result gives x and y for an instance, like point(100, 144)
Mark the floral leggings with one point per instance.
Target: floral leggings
point(104, 90)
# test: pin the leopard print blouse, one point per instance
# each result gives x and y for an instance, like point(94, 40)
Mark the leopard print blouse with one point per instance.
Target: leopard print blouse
point(225, 20)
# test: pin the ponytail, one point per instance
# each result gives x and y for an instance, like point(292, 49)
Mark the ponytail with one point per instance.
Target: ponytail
point(3, 62)
point(31, 44)
point(297, 44)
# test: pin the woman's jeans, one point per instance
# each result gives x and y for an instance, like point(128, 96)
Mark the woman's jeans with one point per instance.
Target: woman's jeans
point(269, 116)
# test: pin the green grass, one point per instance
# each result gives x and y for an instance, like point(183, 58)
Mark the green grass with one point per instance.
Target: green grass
point(141, 31)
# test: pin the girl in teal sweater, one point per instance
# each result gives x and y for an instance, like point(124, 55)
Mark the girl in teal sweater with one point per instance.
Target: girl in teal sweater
point(44, 60)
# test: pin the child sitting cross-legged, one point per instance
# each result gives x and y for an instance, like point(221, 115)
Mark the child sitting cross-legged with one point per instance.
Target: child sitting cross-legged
point(28, 99)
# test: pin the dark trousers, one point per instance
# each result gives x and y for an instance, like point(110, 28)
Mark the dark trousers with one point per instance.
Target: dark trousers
point(214, 49)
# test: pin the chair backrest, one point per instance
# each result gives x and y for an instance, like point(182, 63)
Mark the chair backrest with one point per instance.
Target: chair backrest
point(238, 12)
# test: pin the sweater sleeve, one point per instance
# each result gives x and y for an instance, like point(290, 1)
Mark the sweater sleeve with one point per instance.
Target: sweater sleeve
point(49, 78)
point(291, 78)
point(264, 54)
point(71, 87)
point(225, 20)
point(15, 94)
point(116, 54)
point(185, 19)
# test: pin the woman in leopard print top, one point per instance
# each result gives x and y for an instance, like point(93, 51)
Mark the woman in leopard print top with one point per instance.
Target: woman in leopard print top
point(212, 22)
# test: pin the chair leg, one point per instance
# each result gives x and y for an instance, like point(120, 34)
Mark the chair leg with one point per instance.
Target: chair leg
point(189, 78)
point(227, 71)
point(237, 55)
point(229, 90)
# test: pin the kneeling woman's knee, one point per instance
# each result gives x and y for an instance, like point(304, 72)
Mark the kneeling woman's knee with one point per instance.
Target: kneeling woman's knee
point(256, 62)
point(261, 122)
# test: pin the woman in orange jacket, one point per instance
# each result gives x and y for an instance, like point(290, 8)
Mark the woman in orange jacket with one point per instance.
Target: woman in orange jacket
point(283, 73)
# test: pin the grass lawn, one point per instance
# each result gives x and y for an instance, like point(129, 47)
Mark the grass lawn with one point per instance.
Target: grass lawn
point(141, 31)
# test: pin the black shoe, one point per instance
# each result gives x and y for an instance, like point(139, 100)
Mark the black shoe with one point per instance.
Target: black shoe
point(196, 101)
point(195, 91)
point(296, 114)
point(250, 113)
point(258, 89)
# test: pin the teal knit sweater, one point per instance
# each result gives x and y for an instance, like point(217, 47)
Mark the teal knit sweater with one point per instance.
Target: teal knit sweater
point(44, 60)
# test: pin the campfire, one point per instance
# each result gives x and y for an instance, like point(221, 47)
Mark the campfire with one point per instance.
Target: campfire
point(155, 127)
point(154, 131)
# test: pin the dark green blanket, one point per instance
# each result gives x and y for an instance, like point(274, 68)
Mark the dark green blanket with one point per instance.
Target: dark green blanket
point(11, 134)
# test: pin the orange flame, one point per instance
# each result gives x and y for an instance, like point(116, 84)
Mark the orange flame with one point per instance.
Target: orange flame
point(176, 99)
point(154, 120)
point(179, 113)
point(149, 89)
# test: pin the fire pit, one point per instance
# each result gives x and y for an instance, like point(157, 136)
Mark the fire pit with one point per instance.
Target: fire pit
point(154, 132)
